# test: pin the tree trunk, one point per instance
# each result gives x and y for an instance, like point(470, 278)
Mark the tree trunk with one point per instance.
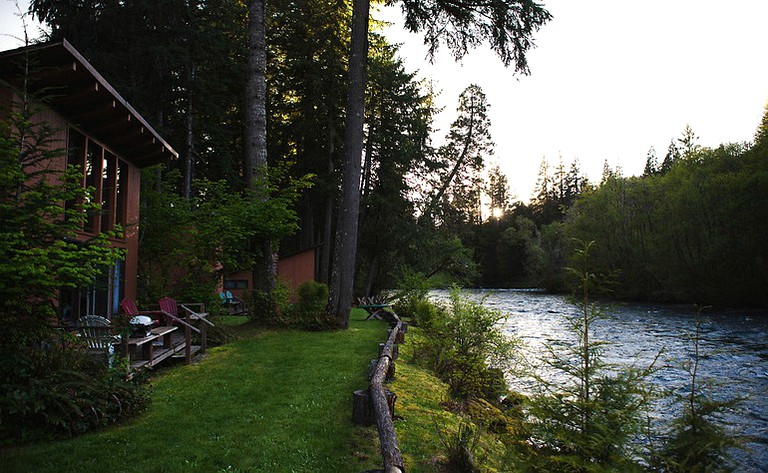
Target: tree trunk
point(256, 97)
point(343, 272)
point(189, 159)
point(256, 129)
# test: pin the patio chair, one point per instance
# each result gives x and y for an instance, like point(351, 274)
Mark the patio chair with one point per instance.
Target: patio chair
point(170, 309)
point(95, 331)
point(130, 310)
point(234, 304)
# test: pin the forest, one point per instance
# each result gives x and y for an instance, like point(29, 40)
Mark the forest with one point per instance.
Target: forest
point(691, 228)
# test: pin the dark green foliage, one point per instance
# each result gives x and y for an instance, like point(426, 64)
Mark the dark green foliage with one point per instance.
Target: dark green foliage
point(412, 293)
point(698, 441)
point(695, 232)
point(48, 384)
point(460, 447)
point(57, 390)
point(309, 311)
point(508, 25)
point(270, 308)
point(589, 419)
point(187, 236)
point(464, 345)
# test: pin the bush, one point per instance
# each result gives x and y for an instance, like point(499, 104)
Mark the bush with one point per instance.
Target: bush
point(269, 308)
point(426, 315)
point(414, 288)
point(461, 446)
point(57, 389)
point(309, 312)
point(464, 345)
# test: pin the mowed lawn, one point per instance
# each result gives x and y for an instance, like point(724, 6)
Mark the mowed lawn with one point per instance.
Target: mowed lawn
point(277, 401)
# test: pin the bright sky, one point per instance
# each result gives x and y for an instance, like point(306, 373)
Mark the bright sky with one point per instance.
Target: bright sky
point(609, 79)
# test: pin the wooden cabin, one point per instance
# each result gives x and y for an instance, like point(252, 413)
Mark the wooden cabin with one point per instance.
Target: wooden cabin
point(293, 269)
point(108, 139)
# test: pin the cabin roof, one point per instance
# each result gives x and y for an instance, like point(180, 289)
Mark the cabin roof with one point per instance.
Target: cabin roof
point(74, 89)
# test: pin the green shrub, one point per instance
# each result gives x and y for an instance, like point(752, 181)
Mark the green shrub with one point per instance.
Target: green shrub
point(310, 310)
point(414, 288)
point(270, 308)
point(465, 346)
point(57, 389)
point(698, 440)
point(461, 446)
point(426, 315)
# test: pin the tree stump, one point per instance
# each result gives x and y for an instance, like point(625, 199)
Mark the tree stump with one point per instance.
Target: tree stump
point(391, 398)
point(390, 370)
point(362, 408)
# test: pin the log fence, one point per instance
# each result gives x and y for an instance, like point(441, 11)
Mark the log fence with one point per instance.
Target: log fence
point(377, 404)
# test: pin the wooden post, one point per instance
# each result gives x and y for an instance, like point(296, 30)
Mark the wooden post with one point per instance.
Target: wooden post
point(362, 408)
point(399, 336)
point(203, 338)
point(188, 342)
point(394, 351)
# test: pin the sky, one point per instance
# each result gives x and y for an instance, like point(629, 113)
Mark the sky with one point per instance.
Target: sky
point(609, 80)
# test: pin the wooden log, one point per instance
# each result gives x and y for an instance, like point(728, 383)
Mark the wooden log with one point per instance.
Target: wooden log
point(393, 351)
point(399, 336)
point(390, 373)
point(362, 408)
point(384, 409)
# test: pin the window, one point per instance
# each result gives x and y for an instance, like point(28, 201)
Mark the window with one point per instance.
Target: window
point(101, 298)
point(235, 284)
point(106, 175)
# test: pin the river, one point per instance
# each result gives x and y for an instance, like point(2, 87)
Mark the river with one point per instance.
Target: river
point(733, 348)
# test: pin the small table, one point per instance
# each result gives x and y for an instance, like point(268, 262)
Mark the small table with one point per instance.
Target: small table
point(373, 310)
point(147, 353)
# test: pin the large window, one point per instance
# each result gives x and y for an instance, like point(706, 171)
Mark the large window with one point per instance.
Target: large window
point(101, 298)
point(106, 175)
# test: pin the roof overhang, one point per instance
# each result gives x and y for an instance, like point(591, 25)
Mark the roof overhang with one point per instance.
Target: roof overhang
point(68, 84)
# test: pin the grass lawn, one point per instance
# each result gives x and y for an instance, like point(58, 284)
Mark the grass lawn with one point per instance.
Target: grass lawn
point(275, 401)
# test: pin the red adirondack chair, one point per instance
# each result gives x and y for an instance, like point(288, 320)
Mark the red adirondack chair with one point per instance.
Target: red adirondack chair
point(130, 310)
point(170, 309)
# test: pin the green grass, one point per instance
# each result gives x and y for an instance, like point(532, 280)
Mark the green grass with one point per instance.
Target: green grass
point(276, 401)
point(422, 419)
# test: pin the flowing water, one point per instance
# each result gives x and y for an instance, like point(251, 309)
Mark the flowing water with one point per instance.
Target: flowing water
point(733, 351)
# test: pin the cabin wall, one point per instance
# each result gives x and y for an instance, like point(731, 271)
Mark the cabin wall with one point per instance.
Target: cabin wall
point(56, 166)
point(297, 269)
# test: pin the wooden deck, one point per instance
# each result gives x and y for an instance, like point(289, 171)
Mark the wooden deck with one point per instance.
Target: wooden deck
point(164, 342)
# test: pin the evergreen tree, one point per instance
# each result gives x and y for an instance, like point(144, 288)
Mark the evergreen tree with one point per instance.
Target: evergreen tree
point(589, 419)
point(688, 147)
point(672, 156)
point(462, 161)
point(508, 25)
point(498, 191)
point(399, 115)
point(761, 135)
point(651, 163)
